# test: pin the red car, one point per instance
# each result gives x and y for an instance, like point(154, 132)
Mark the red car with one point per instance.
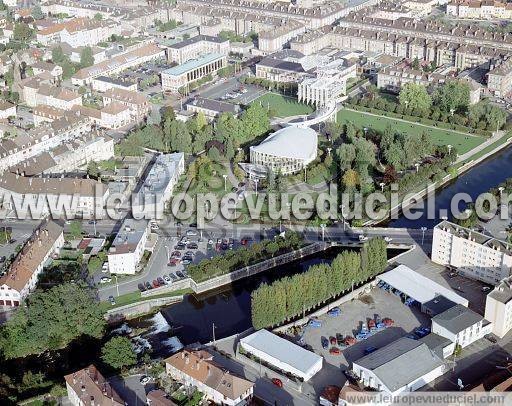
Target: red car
point(174, 261)
point(277, 382)
point(333, 340)
point(155, 284)
point(388, 322)
point(335, 351)
point(350, 340)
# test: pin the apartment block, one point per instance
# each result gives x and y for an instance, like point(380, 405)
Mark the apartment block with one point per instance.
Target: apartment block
point(193, 48)
point(21, 277)
point(498, 307)
point(481, 10)
point(475, 255)
point(499, 79)
point(128, 247)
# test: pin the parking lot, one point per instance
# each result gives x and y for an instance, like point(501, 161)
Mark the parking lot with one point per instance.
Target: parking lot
point(228, 90)
point(378, 303)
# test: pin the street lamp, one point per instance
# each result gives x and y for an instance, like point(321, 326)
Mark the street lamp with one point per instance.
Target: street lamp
point(417, 165)
point(423, 229)
point(117, 285)
point(342, 207)
point(256, 183)
point(225, 182)
point(168, 256)
point(382, 184)
point(449, 149)
point(329, 151)
point(322, 226)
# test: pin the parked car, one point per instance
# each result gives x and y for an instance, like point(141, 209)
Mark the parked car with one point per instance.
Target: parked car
point(105, 279)
point(335, 351)
point(155, 284)
point(491, 338)
point(325, 342)
point(186, 261)
point(333, 340)
point(363, 238)
point(349, 340)
point(277, 382)
point(161, 281)
point(141, 287)
point(485, 288)
point(388, 322)
point(339, 339)
point(192, 246)
point(112, 300)
point(176, 254)
point(314, 323)
point(167, 280)
point(334, 312)
point(174, 261)
point(180, 274)
point(388, 239)
point(148, 286)
point(173, 276)
point(191, 232)
point(3, 258)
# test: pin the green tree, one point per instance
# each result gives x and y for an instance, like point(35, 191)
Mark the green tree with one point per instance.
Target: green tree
point(98, 16)
point(346, 156)
point(452, 96)
point(351, 179)
point(37, 13)
point(22, 32)
point(118, 353)
point(75, 229)
point(414, 96)
point(51, 320)
point(93, 170)
point(86, 57)
point(58, 55)
point(365, 156)
point(178, 136)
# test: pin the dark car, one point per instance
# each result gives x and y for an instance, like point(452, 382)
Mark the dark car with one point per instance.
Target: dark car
point(193, 225)
point(339, 338)
point(179, 247)
point(176, 254)
point(148, 286)
point(325, 342)
point(180, 275)
point(112, 300)
point(141, 287)
point(160, 280)
point(173, 276)
point(192, 246)
point(491, 338)
point(3, 258)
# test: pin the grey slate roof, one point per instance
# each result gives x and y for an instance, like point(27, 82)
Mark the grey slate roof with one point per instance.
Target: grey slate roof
point(401, 362)
point(457, 318)
point(436, 343)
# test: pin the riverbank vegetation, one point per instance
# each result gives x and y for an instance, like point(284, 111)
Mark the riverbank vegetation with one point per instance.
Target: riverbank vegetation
point(50, 320)
point(289, 297)
point(245, 256)
point(447, 107)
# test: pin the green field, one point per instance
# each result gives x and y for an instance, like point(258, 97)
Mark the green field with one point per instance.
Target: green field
point(463, 143)
point(283, 106)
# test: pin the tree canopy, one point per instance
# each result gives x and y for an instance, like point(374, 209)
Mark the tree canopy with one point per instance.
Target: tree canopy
point(452, 96)
point(415, 96)
point(51, 320)
point(118, 353)
point(291, 296)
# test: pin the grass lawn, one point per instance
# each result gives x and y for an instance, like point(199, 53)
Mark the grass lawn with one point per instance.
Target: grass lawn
point(283, 106)
point(463, 143)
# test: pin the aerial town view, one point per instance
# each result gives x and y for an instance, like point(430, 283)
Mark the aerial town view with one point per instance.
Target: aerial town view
point(255, 202)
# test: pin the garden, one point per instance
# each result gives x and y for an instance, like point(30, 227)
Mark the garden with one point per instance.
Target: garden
point(283, 106)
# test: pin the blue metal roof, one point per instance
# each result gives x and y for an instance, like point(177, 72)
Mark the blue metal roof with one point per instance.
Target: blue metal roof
point(192, 64)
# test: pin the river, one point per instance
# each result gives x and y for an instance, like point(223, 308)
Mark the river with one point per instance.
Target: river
point(474, 182)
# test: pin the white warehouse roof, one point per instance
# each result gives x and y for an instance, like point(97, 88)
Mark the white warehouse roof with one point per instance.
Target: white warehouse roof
point(282, 353)
point(290, 142)
point(419, 287)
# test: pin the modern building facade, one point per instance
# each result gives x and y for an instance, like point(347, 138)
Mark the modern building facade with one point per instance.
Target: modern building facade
point(288, 150)
point(475, 255)
point(128, 247)
point(181, 76)
point(193, 48)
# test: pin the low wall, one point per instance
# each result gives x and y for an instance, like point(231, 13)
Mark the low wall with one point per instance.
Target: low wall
point(136, 309)
point(245, 272)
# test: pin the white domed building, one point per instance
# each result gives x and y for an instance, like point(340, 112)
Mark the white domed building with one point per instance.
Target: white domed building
point(288, 150)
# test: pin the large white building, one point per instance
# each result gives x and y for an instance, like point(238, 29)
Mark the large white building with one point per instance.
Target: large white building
point(128, 247)
point(196, 369)
point(475, 255)
point(405, 365)
point(21, 278)
point(460, 325)
point(282, 354)
point(498, 307)
point(329, 83)
point(179, 77)
point(288, 150)
point(159, 185)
